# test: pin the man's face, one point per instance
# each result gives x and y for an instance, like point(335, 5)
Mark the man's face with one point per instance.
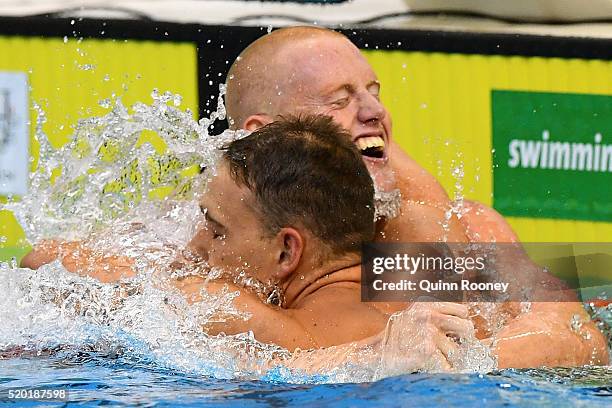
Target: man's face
point(328, 75)
point(231, 237)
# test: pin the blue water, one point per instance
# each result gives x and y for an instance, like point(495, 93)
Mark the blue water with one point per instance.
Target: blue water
point(94, 380)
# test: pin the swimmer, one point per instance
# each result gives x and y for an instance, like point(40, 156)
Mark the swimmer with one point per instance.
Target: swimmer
point(319, 71)
point(291, 205)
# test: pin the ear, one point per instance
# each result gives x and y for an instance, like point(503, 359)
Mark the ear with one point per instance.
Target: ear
point(254, 122)
point(291, 245)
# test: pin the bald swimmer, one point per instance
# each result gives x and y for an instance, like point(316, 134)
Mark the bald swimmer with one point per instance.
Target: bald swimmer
point(319, 71)
point(316, 70)
point(315, 83)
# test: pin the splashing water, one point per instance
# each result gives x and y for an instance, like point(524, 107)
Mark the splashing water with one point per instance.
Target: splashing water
point(456, 206)
point(128, 184)
point(111, 171)
point(113, 190)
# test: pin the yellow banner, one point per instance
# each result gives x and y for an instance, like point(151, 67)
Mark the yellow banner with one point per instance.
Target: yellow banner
point(441, 109)
point(68, 77)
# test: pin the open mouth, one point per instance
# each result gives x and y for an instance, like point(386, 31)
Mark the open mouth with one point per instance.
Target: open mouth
point(371, 146)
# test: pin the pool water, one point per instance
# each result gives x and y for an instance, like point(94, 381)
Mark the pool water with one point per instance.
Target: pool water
point(92, 379)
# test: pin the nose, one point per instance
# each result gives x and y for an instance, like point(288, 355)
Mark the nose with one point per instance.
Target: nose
point(371, 110)
point(199, 244)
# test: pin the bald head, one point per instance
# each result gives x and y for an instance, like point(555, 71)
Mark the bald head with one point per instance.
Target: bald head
point(258, 79)
point(313, 71)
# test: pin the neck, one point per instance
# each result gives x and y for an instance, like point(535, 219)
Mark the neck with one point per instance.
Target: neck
point(308, 278)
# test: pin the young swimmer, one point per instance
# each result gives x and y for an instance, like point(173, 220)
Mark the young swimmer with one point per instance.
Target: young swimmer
point(290, 206)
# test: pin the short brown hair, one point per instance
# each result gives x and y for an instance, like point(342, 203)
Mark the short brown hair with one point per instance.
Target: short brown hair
point(305, 170)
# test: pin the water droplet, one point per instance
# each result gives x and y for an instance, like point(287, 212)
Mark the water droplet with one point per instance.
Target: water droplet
point(87, 67)
point(105, 103)
point(177, 100)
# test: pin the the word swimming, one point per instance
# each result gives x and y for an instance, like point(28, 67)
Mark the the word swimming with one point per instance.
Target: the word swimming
point(546, 154)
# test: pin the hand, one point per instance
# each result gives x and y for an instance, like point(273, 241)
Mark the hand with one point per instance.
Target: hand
point(424, 337)
point(79, 259)
point(43, 253)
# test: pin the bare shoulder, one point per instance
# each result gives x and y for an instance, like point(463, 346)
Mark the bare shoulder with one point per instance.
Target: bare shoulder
point(484, 224)
point(268, 323)
point(420, 222)
point(41, 254)
point(414, 181)
point(335, 315)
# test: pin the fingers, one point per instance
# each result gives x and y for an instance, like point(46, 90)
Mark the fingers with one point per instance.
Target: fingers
point(446, 346)
point(456, 326)
point(43, 253)
point(448, 308)
point(453, 309)
point(450, 318)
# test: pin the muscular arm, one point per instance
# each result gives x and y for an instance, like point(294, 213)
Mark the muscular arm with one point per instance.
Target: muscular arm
point(541, 337)
point(416, 183)
point(79, 259)
point(269, 324)
point(556, 330)
point(544, 337)
point(416, 340)
point(419, 222)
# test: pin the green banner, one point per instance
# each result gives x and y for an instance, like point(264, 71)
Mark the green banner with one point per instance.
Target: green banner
point(552, 155)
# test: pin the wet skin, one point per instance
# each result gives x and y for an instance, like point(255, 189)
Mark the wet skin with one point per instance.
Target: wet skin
point(336, 80)
point(327, 74)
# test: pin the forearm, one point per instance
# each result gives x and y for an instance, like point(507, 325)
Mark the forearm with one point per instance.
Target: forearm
point(546, 338)
point(81, 260)
point(362, 357)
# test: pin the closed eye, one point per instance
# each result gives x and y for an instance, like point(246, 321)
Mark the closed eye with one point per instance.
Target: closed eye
point(216, 228)
point(341, 103)
point(374, 89)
